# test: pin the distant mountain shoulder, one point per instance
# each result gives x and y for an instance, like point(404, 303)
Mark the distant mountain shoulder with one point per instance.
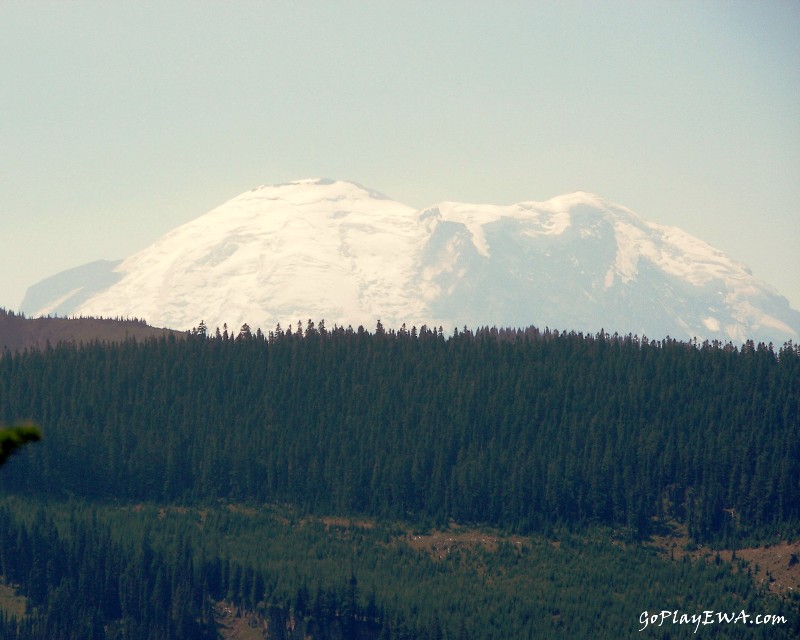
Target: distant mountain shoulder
point(65, 291)
point(341, 252)
point(18, 332)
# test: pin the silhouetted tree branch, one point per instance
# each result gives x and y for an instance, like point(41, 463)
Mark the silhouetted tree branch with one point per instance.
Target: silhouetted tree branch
point(12, 438)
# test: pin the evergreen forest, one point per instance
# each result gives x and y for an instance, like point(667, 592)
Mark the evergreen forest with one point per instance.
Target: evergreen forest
point(345, 483)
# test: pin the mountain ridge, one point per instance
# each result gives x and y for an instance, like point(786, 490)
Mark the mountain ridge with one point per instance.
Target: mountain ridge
point(339, 251)
point(18, 333)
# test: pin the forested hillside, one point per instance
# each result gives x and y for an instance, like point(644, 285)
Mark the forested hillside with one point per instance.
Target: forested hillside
point(104, 571)
point(523, 430)
point(537, 433)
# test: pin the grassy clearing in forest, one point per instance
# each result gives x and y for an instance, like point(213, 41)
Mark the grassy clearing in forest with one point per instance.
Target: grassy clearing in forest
point(11, 603)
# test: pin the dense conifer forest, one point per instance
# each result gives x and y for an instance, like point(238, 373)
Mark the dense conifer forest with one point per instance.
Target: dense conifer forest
point(176, 474)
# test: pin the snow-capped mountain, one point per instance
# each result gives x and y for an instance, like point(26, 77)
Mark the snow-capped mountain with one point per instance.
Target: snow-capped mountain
point(333, 250)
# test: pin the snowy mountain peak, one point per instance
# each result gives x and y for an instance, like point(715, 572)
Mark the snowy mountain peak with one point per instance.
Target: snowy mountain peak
point(334, 189)
point(338, 251)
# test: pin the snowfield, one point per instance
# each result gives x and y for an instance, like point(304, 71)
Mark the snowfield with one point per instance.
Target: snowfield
point(323, 249)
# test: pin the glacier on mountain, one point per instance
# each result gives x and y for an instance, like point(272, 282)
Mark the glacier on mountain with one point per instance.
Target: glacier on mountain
point(334, 250)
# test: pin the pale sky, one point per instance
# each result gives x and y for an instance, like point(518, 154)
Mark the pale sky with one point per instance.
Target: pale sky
point(122, 120)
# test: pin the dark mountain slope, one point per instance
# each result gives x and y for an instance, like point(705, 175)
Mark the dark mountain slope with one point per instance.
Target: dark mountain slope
point(18, 332)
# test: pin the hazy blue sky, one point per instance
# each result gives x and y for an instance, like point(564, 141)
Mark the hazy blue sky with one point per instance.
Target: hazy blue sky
point(122, 120)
